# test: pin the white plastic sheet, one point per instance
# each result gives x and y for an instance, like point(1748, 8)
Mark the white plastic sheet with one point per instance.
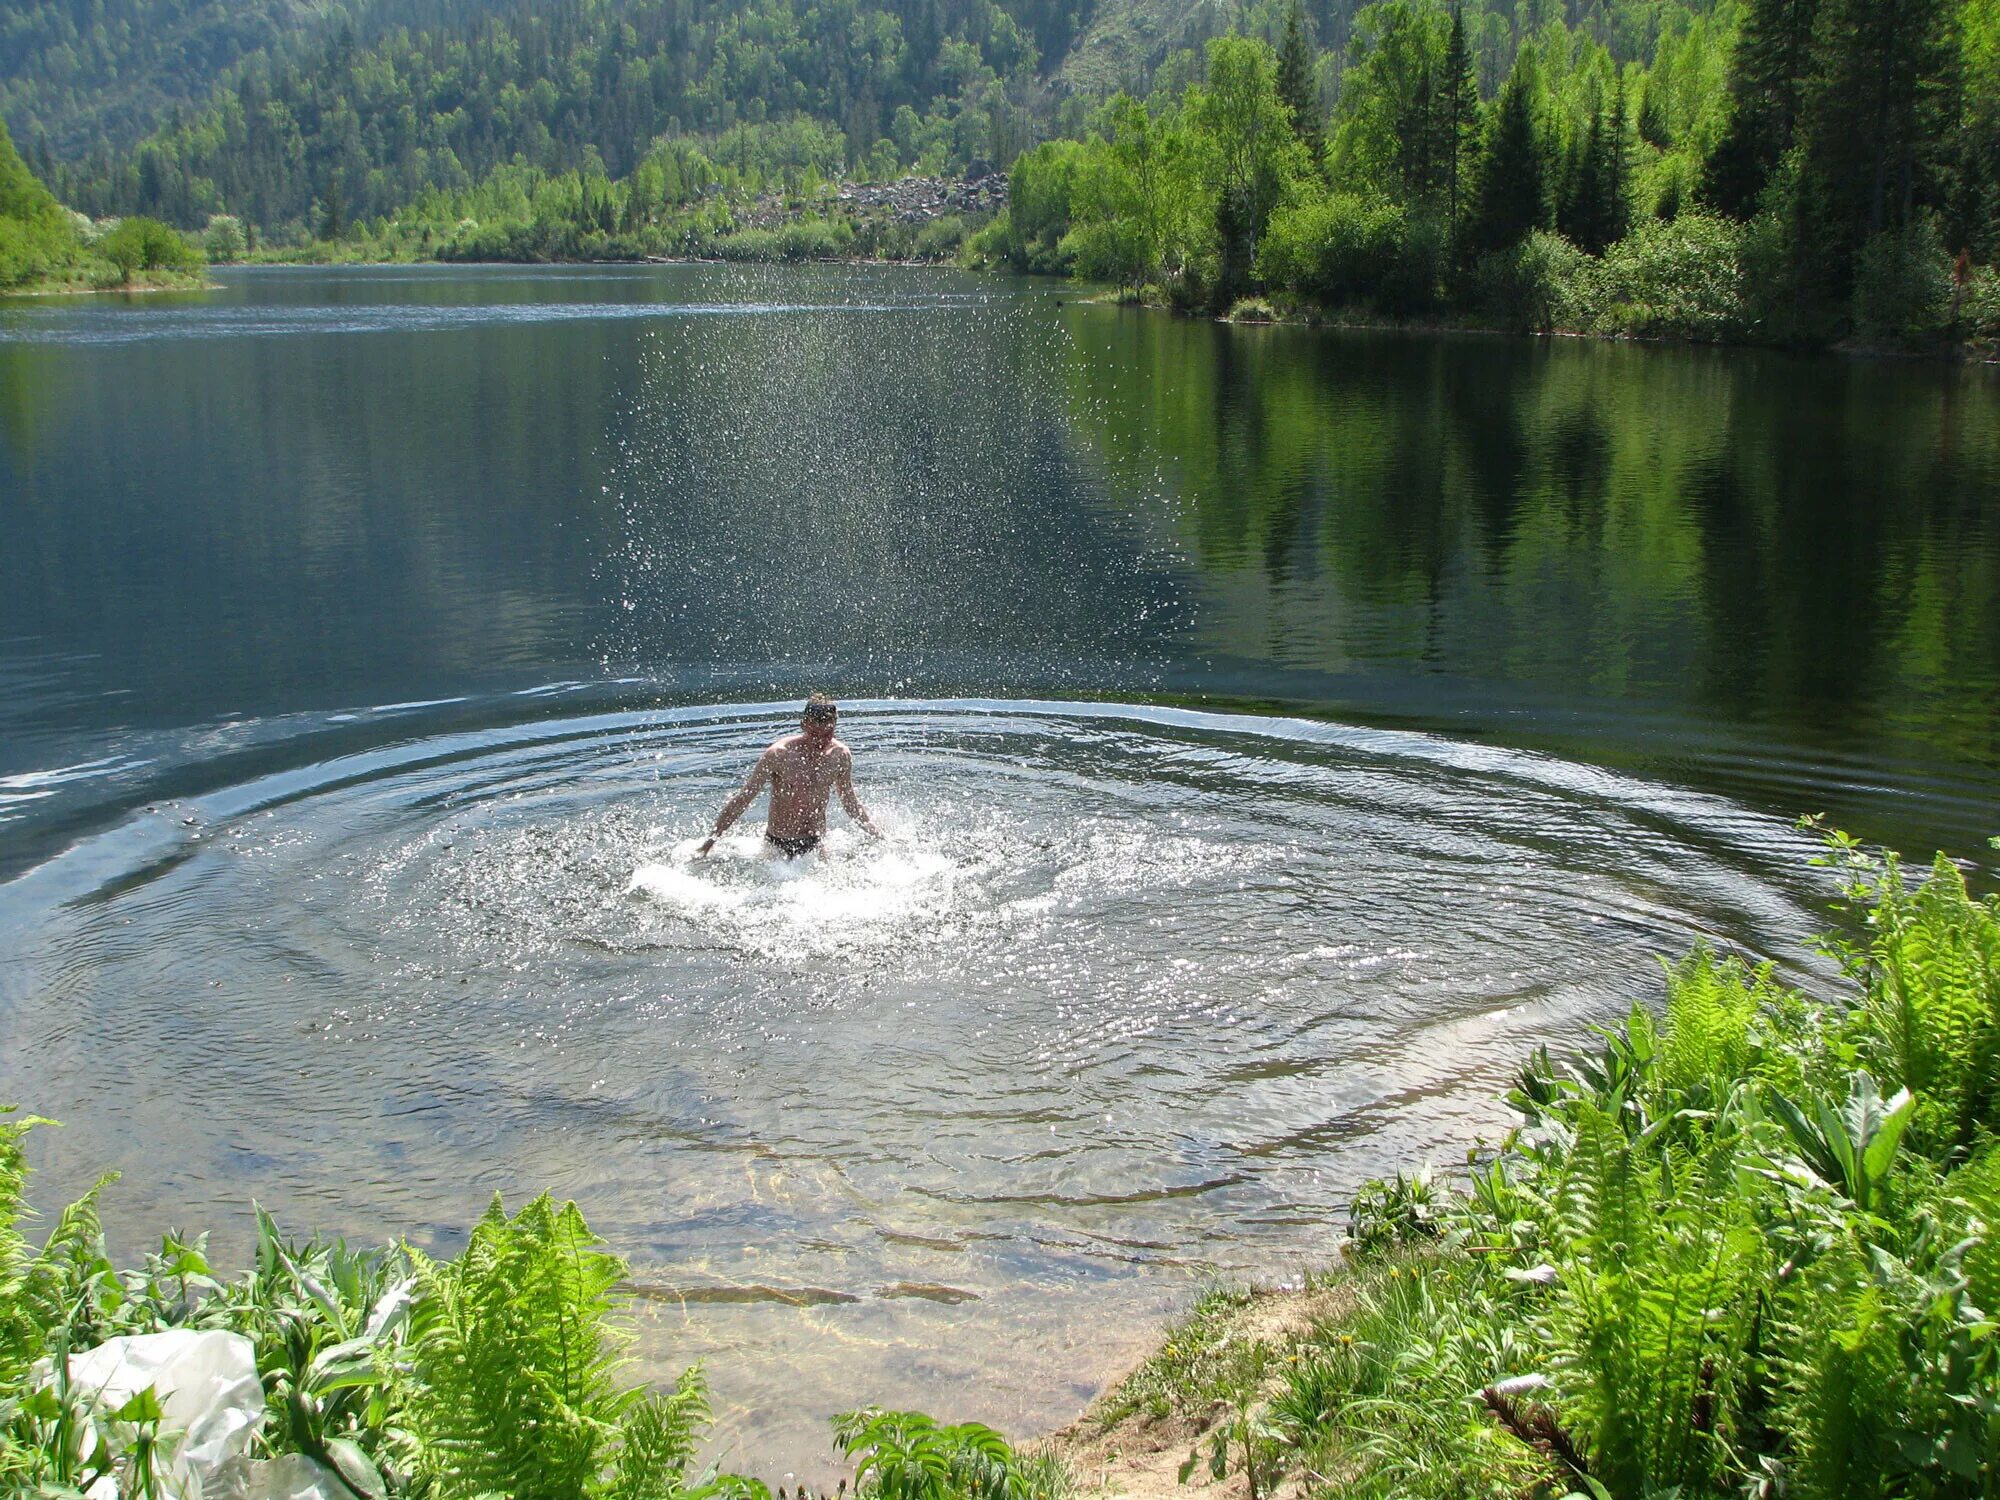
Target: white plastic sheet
point(290, 1476)
point(211, 1405)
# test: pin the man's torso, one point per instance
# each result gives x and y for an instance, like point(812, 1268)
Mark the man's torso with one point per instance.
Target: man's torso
point(801, 781)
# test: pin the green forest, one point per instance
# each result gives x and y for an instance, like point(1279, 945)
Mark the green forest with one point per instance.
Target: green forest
point(1783, 170)
point(1747, 170)
point(42, 244)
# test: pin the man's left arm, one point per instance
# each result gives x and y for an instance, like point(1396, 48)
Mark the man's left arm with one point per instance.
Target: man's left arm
point(844, 782)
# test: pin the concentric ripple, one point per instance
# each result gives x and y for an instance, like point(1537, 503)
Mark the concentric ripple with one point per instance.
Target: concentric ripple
point(1125, 996)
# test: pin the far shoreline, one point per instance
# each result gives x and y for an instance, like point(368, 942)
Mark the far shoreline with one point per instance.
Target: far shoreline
point(1262, 315)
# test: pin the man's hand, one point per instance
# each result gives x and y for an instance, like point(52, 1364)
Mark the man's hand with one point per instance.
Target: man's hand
point(706, 845)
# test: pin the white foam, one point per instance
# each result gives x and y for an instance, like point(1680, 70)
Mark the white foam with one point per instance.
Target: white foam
point(852, 891)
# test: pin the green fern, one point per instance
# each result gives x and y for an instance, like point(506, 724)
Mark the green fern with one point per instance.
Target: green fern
point(1653, 1308)
point(20, 1335)
point(71, 1284)
point(1710, 1031)
point(510, 1383)
point(1929, 1020)
point(658, 1441)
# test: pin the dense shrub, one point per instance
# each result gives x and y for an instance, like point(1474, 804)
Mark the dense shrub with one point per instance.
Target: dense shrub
point(1336, 251)
point(750, 245)
point(1746, 1248)
point(1680, 279)
point(1538, 286)
point(1902, 283)
point(30, 250)
point(142, 244)
point(815, 239)
point(223, 240)
point(941, 238)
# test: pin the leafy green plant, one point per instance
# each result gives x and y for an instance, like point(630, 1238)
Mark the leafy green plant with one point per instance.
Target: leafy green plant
point(1247, 1437)
point(143, 244)
point(328, 1324)
point(1850, 1145)
point(508, 1381)
point(1929, 1018)
point(1396, 1211)
point(906, 1455)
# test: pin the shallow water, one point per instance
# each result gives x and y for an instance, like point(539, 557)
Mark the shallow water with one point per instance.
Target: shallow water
point(1124, 997)
point(375, 647)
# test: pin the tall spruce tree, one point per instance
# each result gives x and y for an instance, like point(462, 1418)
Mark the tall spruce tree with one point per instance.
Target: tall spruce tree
point(1774, 53)
point(1420, 143)
point(1874, 124)
point(1299, 88)
point(1457, 116)
point(1596, 213)
point(1516, 176)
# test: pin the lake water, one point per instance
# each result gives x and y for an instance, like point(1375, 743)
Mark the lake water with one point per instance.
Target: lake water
point(1278, 732)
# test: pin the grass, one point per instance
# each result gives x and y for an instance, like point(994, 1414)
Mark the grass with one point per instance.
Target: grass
point(1196, 1365)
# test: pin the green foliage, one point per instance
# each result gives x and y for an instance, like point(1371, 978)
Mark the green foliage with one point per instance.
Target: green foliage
point(1038, 206)
point(1338, 250)
point(1679, 278)
point(1714, 1254)
point(1929, 1021)
point(20, 1334)
point(906, 1455)
point(509, 1382)
point(1537, 285)
point(223, 241)
point(142, 244)
point(1380, 1394)
point(1395, 1212)
point(329, 1325)
point(1902, 283)
point(35, 234)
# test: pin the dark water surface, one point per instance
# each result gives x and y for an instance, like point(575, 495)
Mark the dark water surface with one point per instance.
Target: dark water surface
point(373, 644)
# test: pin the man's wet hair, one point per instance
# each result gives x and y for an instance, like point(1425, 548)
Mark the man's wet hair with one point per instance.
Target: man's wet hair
point(820, 708)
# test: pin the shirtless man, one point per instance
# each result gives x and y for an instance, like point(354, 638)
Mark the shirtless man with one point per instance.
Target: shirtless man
point(800, 769)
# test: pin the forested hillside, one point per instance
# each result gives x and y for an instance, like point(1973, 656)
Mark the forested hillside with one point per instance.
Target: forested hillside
point(1742, 169)
point(76, 73)
point(349, 130)
point(363, 105)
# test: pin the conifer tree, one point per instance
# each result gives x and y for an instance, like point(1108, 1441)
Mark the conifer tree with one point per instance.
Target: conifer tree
point(1774, 52)
point(1873, 126)
point(1421, 175)
point(1457, 117)
point(1515, 180)
point(1596, 213)
point(1298, 87)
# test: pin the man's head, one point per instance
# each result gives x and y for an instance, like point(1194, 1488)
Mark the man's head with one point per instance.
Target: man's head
point(820, 717)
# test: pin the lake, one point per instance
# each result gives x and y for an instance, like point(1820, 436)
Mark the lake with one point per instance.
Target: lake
point(1278, 732)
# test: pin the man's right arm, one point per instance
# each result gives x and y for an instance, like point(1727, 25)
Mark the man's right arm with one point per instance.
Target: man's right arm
point(760, 777)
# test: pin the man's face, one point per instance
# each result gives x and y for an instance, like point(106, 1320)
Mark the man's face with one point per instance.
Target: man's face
point(819, 731)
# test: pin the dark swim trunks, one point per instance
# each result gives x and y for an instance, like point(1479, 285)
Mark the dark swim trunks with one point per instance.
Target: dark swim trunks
point(792, 848)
